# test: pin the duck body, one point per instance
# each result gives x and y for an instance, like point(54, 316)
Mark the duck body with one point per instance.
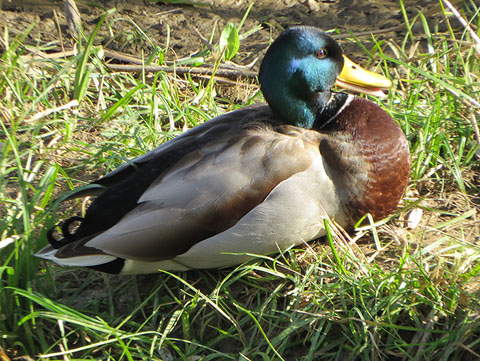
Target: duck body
point(249, 182)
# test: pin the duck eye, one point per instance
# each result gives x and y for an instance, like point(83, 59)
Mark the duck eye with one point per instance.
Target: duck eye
point(322, 53)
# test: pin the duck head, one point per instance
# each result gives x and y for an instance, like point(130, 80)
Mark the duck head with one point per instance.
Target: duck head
point(299, 70)
point(297, 73)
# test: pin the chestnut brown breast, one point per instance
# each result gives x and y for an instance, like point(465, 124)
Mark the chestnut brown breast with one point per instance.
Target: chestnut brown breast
point(369, 159)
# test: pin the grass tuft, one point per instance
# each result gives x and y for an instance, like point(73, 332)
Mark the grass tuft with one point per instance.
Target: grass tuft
point(383, 292)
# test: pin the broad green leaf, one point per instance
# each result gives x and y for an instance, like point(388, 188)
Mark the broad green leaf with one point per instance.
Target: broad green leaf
point(229, 41)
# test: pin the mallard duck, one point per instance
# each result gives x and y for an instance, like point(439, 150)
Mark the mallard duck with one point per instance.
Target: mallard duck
point(252, 181)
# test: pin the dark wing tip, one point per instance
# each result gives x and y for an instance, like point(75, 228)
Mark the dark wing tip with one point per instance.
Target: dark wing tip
point(112, 267)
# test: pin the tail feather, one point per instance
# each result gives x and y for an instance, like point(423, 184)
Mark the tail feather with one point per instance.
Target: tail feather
point(50, 253)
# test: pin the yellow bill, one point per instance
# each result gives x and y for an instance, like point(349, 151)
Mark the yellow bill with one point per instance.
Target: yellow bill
point(353, 77)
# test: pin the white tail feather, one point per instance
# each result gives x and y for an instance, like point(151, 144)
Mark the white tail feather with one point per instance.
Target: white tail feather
point(82, 261)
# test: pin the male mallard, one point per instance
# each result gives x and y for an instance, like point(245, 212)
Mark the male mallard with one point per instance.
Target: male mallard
point(253, 181)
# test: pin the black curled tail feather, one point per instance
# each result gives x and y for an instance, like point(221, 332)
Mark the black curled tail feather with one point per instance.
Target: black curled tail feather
point(68, 237)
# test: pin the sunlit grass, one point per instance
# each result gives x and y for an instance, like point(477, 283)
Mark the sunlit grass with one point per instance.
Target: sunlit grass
point(383, 292)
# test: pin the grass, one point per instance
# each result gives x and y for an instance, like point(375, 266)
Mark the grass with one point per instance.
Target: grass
point(384, 292)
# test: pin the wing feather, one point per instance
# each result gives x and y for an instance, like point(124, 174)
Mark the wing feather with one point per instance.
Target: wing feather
point(206, 192)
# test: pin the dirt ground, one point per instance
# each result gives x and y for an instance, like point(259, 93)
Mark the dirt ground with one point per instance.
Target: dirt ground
point(157, 19)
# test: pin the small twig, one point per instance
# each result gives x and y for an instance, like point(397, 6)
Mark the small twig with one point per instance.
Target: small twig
point(122, 57)
point(475, 129)
point(226, 73)
point(202, 39)
point(465, 24)
point(163, 13)
point(467, 100)
point(220, 80)
point(43, 55)
point(134, 60)
point(421, 337)
point(137, 65)
point(238, 66)
point(74, 19)
point(47, 112)
point(59, 29)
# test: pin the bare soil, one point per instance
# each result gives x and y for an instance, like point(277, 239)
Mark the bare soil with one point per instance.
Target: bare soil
point(158, 20)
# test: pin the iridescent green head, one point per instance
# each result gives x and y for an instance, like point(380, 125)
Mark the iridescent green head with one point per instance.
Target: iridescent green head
point(297, 73)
